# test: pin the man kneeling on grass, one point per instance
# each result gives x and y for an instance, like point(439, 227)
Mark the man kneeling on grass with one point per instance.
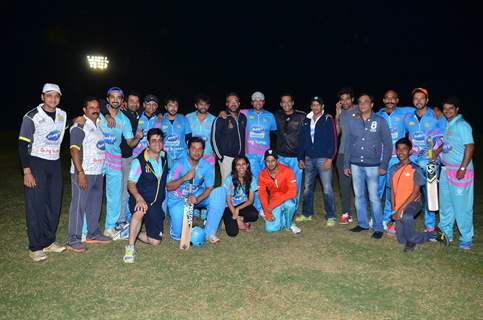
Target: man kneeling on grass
point(147, 185)
point(277, 188)
point(405, 184)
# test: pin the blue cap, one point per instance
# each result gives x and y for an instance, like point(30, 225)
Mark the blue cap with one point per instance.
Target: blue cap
point(115, 89)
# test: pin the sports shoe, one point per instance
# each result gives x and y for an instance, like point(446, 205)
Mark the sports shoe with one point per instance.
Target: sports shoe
point(410, 247)
point(99, 238)
point(130, 254)
point(391, 230)
point(465, 245)
point(377, 235)
point(38, 255)
point(111, 233)
point(440, 237)
point(302, 218)
point(124, 234)
point(330, 222)
point(427, 229)
point(119, 233)
point(77, 247)
point(358, 229)
point(213, 239)
point(262, 214)
point(295, 229)
point(83, 237)
point(54, 247)
point(370, 223)
point(345, 218)
point(120, 226)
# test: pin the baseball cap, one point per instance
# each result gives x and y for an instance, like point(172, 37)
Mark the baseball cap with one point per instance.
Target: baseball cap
point(270, 152)
point(48, 87)
point(151, 98)
point(422, 90)
point(115, 89)
point(258, 96)
point(318, 99)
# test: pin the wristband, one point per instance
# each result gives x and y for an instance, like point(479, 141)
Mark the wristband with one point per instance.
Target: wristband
point(462, 168)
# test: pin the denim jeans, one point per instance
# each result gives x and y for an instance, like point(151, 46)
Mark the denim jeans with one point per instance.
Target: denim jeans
point(312, 168)
point(363, 177)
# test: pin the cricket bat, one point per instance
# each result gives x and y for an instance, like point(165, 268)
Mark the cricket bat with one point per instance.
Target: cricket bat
point(432, 179)
point(184, 243)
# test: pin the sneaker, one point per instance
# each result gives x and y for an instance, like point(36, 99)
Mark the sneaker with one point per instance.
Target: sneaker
point(391, 230)
point(262, 214)
point(427, 229)
point(112, 233)
point(99, 238)
point(302, 218)
point(330, 222)
point(129, 255)
point(124, 234)
point(120, 226)
point(384, 224)
point(295, 229)
point(83, 237)
point(465, 245)
point(213, 239)
point(123, 231)
point(54, 247)
point(410, 247)
point(345, 218)
point(377, 235)
point(77, 247)
point(441, 237)
point(370, 223)
point(38, 255)
point(358, 229)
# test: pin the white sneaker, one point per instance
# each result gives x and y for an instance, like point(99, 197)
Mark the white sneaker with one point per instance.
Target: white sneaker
point(262, 214)
point(384, 224)
point(84, 237)
point(112, 233)
point(370, 223)
point(295, 229)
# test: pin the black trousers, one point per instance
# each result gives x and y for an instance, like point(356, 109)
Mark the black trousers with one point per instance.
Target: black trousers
point(249, 214)
point(406, 227)
point(43, 202)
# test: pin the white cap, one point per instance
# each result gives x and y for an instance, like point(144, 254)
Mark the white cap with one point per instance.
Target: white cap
point(51, 87)
point(258, 96)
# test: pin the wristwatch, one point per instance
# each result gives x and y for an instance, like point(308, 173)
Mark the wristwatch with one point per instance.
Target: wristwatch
point(462, 169)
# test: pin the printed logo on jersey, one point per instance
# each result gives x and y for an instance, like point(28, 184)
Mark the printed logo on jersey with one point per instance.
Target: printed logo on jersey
point(101, 145)
point(164, 127)
point(418, 137)
point(412, 123)
point(251, 117)
point(398, 119)
point(427, 125)
point(178, 126)
point(172, 140)
point(394, 133)
point(60, 118)
point(257, 132)
point(109, 138)
point(53, 135)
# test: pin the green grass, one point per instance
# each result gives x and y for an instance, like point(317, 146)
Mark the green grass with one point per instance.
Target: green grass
point(323, 273)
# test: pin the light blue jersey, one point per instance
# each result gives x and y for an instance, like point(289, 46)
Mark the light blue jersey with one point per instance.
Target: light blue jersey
point(258, 130)
point(175, 136)
point(204, 178)
point(395, 121)
point(202, 129)
point(113, 138)
point(239, 196)
point(458, 133)
point(145, 123)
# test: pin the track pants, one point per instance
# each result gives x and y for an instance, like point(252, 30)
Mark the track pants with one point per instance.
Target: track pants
point(406, 226)
point(256, 165)
point(283, 215)
point(293, 163)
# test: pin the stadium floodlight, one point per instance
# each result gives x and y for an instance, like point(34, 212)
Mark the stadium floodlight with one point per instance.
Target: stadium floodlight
point(98, 62)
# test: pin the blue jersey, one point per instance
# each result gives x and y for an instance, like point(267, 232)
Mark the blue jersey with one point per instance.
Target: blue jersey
point(425, 135)
point(239, 195)
point(258, 130)
point(175, 136)
point(458, 133)
point(202, 129)
point(145, 123)
point(395, 121)
point(204, 178)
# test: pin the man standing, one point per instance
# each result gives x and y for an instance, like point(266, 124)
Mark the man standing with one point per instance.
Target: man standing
point(228, 135)
point(259, 124)
point(201, 122)
point(176, 131)
point(88, 155)
point(194, 170)
point(425, 132)
point(277, 187)
point(316, 150)
point(289, 122)
point(345, 110)
point(368, 137)
point(112, 138)
point(394, 116)
point(147, 185)
point(457, 176)
point(40, 137)
point(147, 121)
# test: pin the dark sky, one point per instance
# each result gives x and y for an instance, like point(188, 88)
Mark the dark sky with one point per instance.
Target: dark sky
point(274, 47)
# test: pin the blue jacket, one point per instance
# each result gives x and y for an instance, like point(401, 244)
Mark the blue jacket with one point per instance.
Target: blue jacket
point(368, 142)
point(325, 139)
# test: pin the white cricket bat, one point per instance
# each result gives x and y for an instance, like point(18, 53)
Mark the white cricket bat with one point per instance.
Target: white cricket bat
point(184, 243)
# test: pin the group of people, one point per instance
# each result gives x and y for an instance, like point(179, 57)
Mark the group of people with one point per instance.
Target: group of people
point(157, 163)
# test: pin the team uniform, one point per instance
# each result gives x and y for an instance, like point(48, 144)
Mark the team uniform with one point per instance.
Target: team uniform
point(204, 178)
point(150, 175)
point(112, 141)
point(395, 121)
point(44, 133)
point(257, 136)
point(279, 194)
point(238, 197)
point(456, 196)
point(145, 123)
point(174, 137)
point(86, 205)
point(425, 134)
point(203, 130)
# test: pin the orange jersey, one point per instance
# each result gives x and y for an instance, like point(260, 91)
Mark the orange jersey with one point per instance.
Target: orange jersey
point(274, 191)
point(403, 180)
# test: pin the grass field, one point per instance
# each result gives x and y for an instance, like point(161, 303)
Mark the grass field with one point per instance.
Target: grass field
point(323, 273)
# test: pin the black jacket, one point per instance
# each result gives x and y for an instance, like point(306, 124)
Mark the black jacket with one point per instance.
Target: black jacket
point(288, 127)
point(228, 136)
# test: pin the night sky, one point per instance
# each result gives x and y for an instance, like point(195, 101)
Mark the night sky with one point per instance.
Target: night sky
point(274, 47)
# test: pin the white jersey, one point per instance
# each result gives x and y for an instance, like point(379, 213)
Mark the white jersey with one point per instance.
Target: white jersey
point(89, 140)
point(43, 133)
